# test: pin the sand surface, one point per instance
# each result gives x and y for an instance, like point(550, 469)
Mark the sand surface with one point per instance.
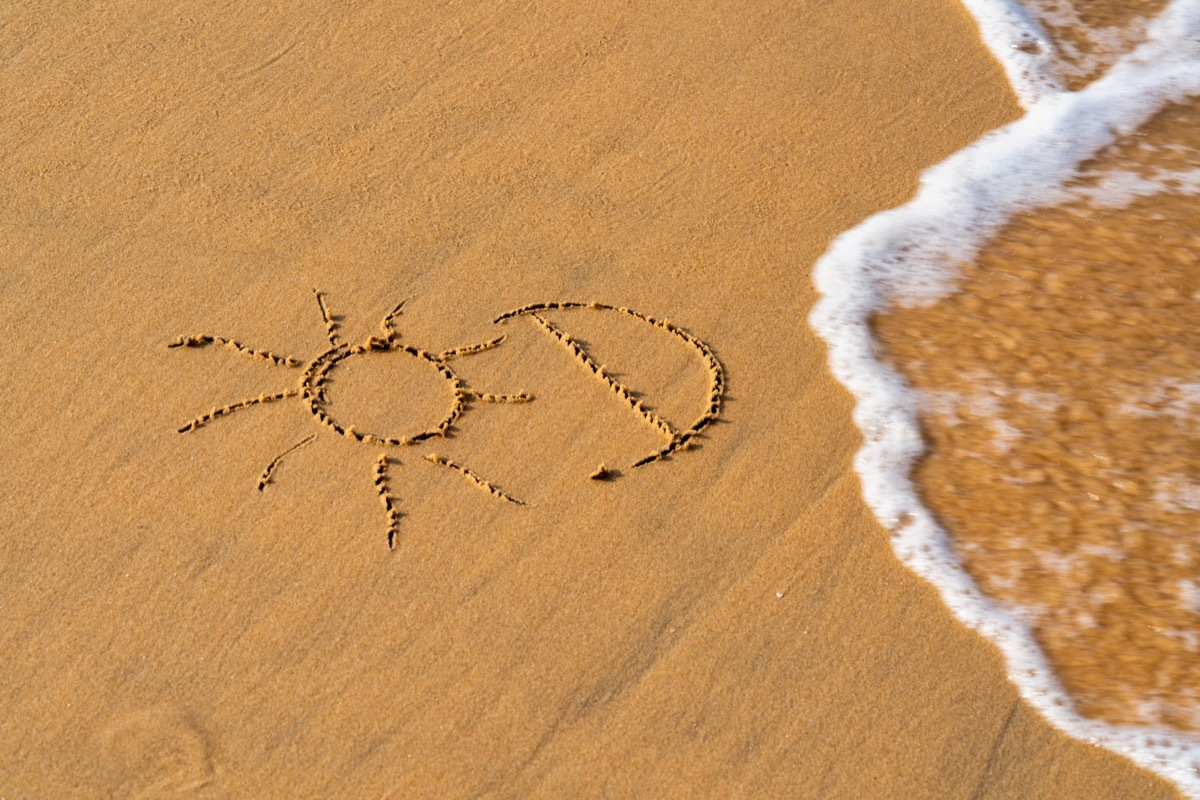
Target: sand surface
point(726, 622)
point(1062, 413)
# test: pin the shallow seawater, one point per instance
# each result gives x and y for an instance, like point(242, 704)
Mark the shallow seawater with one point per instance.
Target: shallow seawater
point(1060, 398)
point(1089, 35)
point(1021, 340)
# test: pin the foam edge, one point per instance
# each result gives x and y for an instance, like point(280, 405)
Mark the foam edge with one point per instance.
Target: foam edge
point(900, 255)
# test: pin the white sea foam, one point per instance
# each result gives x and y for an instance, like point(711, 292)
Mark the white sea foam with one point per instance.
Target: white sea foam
point(1177, 493)
point(1020, 45)
point(1119, 188)
point(1169, 398)
point(1103, 45)
point(904, 255)
point(1190, 592)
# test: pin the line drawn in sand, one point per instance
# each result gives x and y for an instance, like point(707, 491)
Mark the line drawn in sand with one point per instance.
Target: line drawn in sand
point(314, 380)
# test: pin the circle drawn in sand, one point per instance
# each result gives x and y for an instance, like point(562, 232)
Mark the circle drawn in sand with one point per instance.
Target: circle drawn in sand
point(312, 390)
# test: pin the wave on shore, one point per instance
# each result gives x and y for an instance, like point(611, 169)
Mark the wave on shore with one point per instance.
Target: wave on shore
point(907, 257)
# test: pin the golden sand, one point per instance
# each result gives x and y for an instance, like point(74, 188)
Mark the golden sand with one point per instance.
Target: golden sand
point(217, 613)
point(1063, 412)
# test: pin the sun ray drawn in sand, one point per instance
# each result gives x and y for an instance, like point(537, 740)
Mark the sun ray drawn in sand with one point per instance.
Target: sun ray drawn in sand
point(312, 391)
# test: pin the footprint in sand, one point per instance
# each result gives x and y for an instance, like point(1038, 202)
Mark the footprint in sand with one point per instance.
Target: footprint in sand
point(158, 753)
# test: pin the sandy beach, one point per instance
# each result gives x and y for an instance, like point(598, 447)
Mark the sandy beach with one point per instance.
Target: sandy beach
point(188, 616)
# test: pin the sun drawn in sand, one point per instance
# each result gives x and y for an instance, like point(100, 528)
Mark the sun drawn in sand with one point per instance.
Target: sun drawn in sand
point(313, 385)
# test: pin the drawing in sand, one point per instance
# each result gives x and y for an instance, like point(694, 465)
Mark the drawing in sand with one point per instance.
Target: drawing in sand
point(313, 384)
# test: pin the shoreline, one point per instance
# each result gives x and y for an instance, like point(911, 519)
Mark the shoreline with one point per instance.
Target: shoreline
point(1009, 172)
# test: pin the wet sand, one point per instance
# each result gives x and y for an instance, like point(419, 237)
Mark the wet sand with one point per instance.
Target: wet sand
point(728, 621)
point(1088, 36)
point(1062, 412)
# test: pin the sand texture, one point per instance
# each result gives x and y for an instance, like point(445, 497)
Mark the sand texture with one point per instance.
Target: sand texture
point(304, 595)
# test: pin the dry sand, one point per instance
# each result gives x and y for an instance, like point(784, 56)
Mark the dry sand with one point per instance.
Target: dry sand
point(728, 622)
